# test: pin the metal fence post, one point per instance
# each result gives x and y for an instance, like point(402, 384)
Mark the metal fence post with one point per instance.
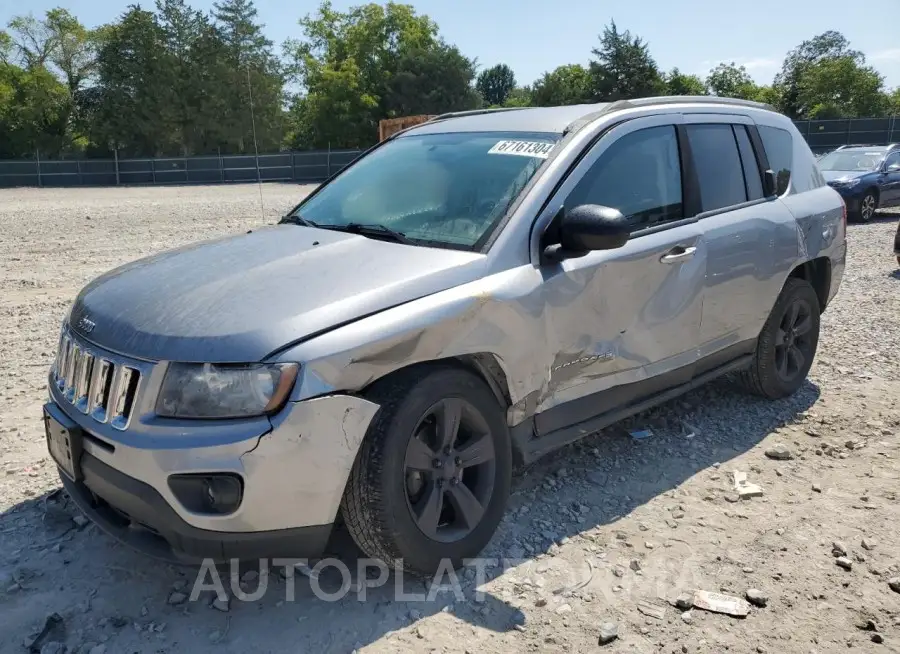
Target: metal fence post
point(153, 169)
point(116, 157)
point(78, 170)
point(221, 167)
point(37, 158)
point(329, 161)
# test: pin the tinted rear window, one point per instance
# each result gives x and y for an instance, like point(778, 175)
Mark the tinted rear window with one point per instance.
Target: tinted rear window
point(748, 160)
point(780, 152)
point(718, 164)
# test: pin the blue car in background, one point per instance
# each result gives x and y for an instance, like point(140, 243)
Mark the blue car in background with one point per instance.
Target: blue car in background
point(866, 176)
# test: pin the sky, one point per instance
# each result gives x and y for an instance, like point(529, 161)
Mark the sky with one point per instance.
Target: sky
point(535, 36)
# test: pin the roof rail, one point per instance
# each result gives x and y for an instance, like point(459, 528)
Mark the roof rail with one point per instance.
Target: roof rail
point(888, 146)
point(474, 112)
point(620, 105)
point(692, 99)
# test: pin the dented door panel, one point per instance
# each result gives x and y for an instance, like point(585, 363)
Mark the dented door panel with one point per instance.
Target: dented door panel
point(622, 316)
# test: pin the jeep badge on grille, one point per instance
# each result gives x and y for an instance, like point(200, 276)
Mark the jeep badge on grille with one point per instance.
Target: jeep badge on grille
point(86, 325)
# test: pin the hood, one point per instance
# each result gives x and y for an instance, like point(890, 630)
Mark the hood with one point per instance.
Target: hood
point(843, 175)
point(237, 299)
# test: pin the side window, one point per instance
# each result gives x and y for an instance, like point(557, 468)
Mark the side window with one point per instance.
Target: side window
point(748, 161)
point(640, 175)
point(780, 151)
point(718, 164)
point(893, 159)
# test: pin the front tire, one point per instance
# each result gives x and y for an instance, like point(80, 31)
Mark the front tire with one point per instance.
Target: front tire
point(787, 344)
point(432, 477)
point(867, 207)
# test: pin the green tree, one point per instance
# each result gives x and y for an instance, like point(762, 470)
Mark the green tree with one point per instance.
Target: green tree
point(134, 114)
point(6, 47)
point(32, 40)
point(828, 45)
point(623, 68)
point(360, 66)
point(894, 102)
point(728, 80)
point(495, 84)
point(181, 27)
point(254, 72)
point(768, 95)
point(519, 97)
point(73, 51)
point(34, 109)
point(565, 85)
point(841, 87)
point(413, 91)
point(678, 83)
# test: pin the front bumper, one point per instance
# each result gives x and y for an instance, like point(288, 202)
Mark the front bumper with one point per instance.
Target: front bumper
point(293, 477)
point(134, 513)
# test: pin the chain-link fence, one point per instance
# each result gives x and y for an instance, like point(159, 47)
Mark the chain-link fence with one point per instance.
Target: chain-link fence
point(300, 167)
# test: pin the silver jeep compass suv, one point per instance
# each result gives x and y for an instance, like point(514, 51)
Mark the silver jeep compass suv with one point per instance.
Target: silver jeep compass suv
point(471, 293)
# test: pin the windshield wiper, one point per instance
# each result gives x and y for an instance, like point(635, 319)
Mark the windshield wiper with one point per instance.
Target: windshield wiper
point(373, 229)
point(296, 219)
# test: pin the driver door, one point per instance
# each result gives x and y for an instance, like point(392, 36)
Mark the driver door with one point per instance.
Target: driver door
point(890, 186)
point(624, 323)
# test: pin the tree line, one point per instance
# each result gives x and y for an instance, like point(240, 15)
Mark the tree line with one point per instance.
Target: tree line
point(177, 81)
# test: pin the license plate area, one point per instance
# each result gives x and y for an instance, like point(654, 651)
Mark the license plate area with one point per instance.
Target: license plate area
point(64, 441)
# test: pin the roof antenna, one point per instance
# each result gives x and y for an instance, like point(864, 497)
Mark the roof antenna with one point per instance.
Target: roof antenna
point(262, 209)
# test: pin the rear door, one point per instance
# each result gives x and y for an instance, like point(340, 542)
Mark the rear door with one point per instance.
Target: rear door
point(741, 229)
point(624, 323)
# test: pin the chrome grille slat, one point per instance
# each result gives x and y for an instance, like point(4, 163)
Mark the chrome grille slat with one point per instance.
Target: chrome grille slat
point(98, 400)
point(72, 372)
point(99, 387)
point(83, 380)
point(119, 396)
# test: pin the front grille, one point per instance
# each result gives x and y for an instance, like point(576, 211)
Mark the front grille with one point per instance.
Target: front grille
point(99, 387)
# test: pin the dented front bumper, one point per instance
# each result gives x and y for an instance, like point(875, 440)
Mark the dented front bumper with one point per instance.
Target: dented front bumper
point(292, 478)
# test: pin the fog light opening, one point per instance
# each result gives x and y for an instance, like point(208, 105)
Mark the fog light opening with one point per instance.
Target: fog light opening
point(216, 494)
point(222, 493)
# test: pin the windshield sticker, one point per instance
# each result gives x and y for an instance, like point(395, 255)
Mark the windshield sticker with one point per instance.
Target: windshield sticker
point(523, 148)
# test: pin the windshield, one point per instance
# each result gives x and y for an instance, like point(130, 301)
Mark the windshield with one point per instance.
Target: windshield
point(448, 190)
point(850, 160)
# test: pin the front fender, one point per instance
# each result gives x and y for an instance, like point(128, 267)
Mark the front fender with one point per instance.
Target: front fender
point(496, 315)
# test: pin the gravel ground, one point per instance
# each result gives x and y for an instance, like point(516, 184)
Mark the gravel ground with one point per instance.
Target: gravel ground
point(610, 530)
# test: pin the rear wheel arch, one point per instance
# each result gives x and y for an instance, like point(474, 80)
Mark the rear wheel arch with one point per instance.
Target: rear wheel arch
point(818, 273)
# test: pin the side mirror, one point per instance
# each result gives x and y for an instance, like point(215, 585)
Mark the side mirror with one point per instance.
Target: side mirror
point(893, 168)
point(770, 184)
point(586, 228)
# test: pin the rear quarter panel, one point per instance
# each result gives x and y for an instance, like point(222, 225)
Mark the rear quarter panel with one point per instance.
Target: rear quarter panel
point(817, 208)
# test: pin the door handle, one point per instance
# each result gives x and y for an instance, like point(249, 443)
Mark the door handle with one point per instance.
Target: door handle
point(678, 255)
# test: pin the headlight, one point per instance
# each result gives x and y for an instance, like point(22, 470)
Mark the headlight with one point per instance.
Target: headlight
point(849, 182)
point(207, 390)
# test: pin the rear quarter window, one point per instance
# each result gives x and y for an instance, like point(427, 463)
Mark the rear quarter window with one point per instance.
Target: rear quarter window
point(780, 151)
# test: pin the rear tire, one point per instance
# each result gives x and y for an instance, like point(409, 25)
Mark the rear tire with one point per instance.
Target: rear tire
point(411, 500)
point(787, 344)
